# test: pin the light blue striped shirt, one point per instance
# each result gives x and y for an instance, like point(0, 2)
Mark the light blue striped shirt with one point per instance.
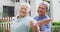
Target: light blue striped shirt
point(21, 25)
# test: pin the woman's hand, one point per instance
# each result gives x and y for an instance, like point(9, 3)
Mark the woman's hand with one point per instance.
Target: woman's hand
point(33, 27)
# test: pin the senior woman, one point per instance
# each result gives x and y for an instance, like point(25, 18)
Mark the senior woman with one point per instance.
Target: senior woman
point(22, 22)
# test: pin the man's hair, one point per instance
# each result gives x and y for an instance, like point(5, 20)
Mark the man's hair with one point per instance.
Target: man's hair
point(26, 4)
point(46, 4)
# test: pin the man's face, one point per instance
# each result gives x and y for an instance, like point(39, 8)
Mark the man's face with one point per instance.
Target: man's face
point(42, 10)
point(23, 10)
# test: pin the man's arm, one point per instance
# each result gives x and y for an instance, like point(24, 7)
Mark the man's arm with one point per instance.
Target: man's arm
point(43, 22)
point(40, 23)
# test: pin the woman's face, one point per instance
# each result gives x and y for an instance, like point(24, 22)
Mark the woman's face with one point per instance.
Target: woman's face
point(23, 10)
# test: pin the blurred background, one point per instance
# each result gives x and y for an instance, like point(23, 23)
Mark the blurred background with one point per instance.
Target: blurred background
point(9, 9)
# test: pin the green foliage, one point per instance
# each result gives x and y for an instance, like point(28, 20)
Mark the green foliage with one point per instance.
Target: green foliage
point(44, 0)
point(1, 29)
point(30, 30)
point(55, 29)
point(1, 21)
point(55, 26)
point(56, 23)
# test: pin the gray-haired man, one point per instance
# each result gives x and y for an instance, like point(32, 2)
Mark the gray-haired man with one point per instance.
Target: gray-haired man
point(42, 14)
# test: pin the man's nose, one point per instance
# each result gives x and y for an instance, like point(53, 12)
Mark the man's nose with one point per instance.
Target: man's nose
point(22, 9)
point(40, 9)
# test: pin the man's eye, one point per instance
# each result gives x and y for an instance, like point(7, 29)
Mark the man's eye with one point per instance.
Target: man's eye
point(39, 7)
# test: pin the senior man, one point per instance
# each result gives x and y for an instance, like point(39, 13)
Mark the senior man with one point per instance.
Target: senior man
point(42, 11)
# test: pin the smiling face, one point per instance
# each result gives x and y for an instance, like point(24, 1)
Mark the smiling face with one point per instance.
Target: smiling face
point(23, 10)
point(42, 10)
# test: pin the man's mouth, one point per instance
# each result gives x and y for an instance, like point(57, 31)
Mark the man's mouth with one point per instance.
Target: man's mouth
point(40, 12)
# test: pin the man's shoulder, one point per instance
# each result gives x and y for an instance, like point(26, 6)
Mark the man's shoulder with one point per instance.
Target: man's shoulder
point(36, 17)
point(47, 16)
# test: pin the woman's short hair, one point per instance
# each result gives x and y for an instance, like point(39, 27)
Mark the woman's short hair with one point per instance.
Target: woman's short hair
point(26, 4)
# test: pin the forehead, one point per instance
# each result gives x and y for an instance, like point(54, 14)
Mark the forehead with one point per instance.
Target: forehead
point(42, 5)
point(24, 6)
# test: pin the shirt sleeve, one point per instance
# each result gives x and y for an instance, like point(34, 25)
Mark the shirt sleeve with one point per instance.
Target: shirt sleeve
point(34, 21)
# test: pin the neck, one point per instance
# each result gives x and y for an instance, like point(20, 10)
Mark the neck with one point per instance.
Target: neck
point(41, 15)
point(21, 16)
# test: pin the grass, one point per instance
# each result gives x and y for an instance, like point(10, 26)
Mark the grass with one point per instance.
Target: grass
point(0, 29)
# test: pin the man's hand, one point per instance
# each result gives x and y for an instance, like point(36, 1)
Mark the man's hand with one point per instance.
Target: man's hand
point(40, 23)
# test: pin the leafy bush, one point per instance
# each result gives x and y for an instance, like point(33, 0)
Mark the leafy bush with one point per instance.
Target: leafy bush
point(55, 29)
point(56, 23)
point(30, 30)
point(1, 21)
point(55, 26)
point(0, 29)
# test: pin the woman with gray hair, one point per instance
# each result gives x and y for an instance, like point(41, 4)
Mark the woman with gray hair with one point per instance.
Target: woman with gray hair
point(23, 22)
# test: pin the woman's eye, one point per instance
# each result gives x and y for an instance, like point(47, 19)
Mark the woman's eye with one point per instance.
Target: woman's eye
point(25, 9)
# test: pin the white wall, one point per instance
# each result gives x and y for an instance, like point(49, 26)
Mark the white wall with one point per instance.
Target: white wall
point(16, 8)
point(34, 6)
point(56, 10)
point(17, 4)
point(5, 0)
point(5, 3)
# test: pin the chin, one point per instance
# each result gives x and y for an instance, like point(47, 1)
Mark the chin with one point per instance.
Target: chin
point(40, 15)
